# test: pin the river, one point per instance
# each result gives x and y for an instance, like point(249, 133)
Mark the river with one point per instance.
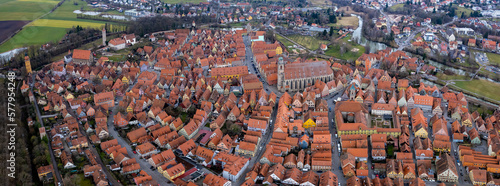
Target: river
point(360, 39)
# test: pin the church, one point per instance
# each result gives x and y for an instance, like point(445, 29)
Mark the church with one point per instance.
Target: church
point(297, 76)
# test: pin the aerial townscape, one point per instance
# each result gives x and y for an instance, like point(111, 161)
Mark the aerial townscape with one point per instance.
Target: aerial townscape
point(251, 92)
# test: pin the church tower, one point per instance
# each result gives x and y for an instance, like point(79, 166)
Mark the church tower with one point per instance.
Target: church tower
point(281, 74)
point(104, 36)
point(27, 63)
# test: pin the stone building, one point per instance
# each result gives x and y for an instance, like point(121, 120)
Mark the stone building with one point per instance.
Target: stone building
point(297, 76)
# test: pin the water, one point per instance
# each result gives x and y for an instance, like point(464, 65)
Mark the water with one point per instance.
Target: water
point(11, 53)
point(86, 13)
point(444, 67)
point(360, 39)
point(115, 17)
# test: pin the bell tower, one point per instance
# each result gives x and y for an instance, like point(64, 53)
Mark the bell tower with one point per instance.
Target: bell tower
point(281, 73)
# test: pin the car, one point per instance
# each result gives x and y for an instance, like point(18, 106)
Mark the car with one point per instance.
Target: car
point(134, 152)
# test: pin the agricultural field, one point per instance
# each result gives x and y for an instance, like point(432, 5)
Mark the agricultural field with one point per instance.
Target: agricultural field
point(8, 28)
point(481, 87)
point(493, 58)
point(51, 27)
point(24, 10)
point(309, 42)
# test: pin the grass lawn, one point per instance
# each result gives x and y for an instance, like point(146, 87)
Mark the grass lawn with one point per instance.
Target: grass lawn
point(284, 41)
point(334, 50)
point(466, 11)
point(182, 1)
point(309, 42)
point(25, 10)
point(238, 24)
point(396, 7)
point(493, 58)
point(443, 76)
point(51, 27)
point(346, 21)
point(80, 179)
point(117, 58)
point(481, 87)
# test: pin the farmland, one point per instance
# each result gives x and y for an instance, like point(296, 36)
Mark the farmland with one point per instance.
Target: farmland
point(51, 27)
point(309, 42)
point(24, 10)
point(9, 27)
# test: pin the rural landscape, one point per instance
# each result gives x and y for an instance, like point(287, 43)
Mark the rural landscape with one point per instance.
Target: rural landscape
point(250, 92)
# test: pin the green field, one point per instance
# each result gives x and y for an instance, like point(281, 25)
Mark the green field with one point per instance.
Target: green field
point(284, 41)
point(182, 1)
point(346, 21)
point(493, 58)
point(334, 50)
point(396, 7)
point(466, 11)
point(309, 42)
point(481, 87)
point(443, 76)
point(24, 10)
point(51, 27)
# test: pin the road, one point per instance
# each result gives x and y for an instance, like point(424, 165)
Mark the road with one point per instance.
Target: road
point(261, 147)
point(52, 157)
point(82, 130)
point(335, 140)
point(142, 162)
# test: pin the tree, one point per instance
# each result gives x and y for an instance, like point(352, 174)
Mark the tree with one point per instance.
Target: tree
point(331, 31)
point(367, 49)
point(324, 33)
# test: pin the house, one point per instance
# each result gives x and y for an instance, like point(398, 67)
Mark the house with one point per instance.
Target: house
point(146, 149)
point(117, 44)
point(214, 180)
point(174, 171)
point(323, 47)
point(257, 125)
point(104, 98)
point(247, 148)
point(67, 160)
point(45, 172)
point(478, 176)
point(328, 178)
point(446, 170)
point(82, 57)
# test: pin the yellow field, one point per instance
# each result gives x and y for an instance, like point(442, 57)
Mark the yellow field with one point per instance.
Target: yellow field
point(63, 23)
